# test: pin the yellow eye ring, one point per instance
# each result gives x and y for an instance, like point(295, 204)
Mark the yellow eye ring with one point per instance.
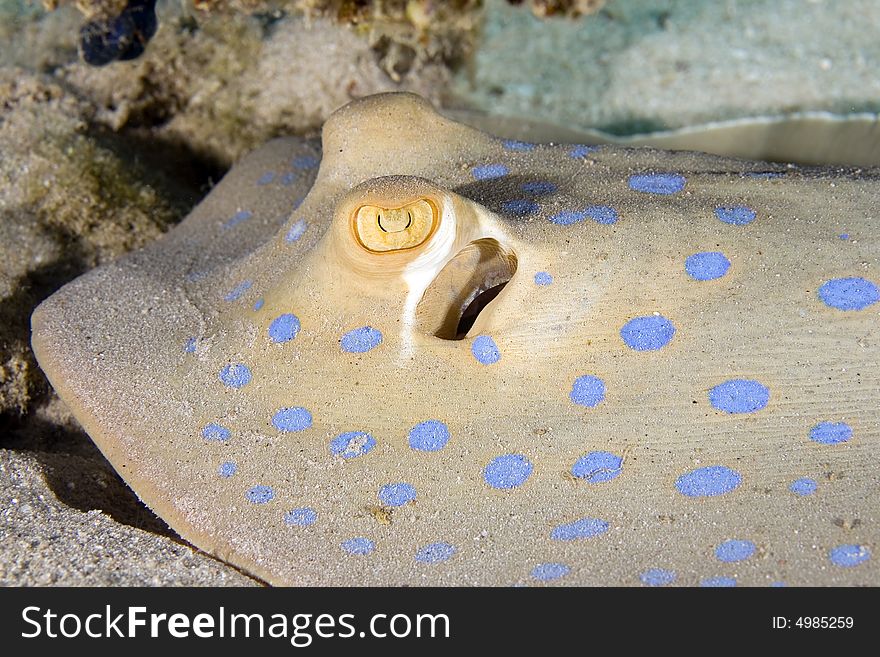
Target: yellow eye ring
point(385, 229)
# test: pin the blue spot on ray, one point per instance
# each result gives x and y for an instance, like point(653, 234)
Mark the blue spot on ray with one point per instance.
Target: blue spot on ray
point(258, 304)
point(520, 207)
point(435, 553)
point(543, 279)
point(302, 517)
point(567, 217)
point(587, 390)
point(710, 481)
point(735, 215)
point(304, 162)
point(583, 528)
point(429, 436)
point(296, 231)
point(847, 556)
point(831, 433)
point(718, 582)
point(706, 266)
point(804, 486)
point(227, 469)
point(489, 171)
point(852, 293)
point(216, 433)
point(734, 550)
point(352, 444)
point(292, 419)
point(189, 346)
point(237, 218)
point(266, 178)
point(397, 494)
point(582, 150)
point(598, 467)
point(485, 350)
point(602, 214)
point(647, 333)
point(514, 145)
point(358, 546)
point(507, 471)
point(739, 396)
point(288, 178)
point(284, 328)
point(235, 375)
point(538, 187)
point(361, 340)
point(657, 183)
point(657, 577)
point(546, 572)
point(236, 293)
point(260, 494)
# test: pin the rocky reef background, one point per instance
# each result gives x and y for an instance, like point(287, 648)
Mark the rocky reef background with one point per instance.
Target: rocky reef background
point(97, 161)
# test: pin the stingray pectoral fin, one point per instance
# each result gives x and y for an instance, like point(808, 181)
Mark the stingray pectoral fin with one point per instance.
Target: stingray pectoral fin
point(686, 348)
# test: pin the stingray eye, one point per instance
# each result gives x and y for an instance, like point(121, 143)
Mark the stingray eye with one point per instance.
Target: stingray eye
point(381, 229)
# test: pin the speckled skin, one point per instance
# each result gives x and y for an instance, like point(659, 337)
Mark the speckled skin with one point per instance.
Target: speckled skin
point(138, 349)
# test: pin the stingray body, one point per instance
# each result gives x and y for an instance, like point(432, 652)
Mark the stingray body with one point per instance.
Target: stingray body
point(425, 355)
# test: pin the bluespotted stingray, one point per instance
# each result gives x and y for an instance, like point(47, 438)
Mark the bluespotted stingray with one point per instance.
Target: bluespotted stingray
point(419, 354)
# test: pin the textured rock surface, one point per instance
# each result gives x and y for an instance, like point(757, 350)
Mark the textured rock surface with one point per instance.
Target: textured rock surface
point(228, 86)
point(69, 199)
point(639, 66)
